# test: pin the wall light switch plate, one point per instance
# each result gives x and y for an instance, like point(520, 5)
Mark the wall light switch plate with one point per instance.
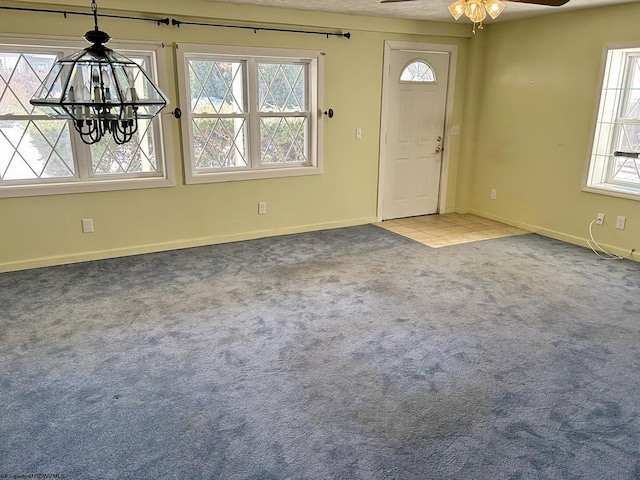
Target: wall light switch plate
point(358, 133)
point(454, 130)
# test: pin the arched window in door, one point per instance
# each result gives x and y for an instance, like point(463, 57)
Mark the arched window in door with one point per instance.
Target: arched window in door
point(418, 71)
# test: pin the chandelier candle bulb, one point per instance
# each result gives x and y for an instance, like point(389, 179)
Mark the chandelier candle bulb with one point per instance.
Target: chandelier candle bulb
point(95, 78)
point(107, 86)
point(71, 98)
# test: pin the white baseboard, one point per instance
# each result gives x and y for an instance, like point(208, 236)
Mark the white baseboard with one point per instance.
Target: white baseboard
point(174, 245)
point(580, 241)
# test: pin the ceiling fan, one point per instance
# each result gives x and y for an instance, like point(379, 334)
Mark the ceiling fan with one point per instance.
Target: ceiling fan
point(477, 10)
point(550, 3)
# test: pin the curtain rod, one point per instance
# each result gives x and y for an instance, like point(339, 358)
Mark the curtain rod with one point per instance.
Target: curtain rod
point(164, 21)
point(177, 23)
point(346, 35)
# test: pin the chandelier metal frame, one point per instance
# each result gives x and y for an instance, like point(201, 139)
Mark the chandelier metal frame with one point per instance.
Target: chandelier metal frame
point(101, 91)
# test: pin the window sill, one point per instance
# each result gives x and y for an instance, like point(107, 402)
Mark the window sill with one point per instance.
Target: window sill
point(235, 176)
point(62, 188)
point(614, 191)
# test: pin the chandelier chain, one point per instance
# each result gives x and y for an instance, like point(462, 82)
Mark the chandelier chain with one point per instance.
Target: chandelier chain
point(94, 9)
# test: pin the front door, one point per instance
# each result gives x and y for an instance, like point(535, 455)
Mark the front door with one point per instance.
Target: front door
point(415, 106)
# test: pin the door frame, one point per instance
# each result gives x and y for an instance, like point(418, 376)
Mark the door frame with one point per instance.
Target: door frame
point(452, 50)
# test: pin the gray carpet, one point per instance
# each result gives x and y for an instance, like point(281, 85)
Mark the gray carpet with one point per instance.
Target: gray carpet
point(344, 354)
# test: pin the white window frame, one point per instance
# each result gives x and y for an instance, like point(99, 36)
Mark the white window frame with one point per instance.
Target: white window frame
point(251, 55)
point(85, 181)
point(600, 159)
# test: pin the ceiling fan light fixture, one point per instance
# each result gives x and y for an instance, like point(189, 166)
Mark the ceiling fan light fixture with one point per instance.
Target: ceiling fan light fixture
point(494, 8)
point(457, 8)
point(475, 11)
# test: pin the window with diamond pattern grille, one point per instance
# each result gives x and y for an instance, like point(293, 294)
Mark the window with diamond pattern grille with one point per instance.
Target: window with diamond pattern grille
point(47, 154)
point(219, 113)
point(617, 127)
point(32, 146)
point(248, 113)
point(283, 113)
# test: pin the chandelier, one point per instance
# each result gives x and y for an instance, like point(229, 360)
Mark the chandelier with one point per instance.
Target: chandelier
point(476, 10)
point(101, 91)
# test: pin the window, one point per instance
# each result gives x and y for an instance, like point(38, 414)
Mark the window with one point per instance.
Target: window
point(418, 71)
point(250, 113)
point(40, 155)
point(617, 128)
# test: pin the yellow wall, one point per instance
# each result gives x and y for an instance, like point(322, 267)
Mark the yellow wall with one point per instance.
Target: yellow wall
point(46, 230)
point(538, 96)
point(525, 98)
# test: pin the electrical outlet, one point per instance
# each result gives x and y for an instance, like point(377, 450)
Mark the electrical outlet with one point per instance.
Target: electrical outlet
point(494, 194)
point(600, 219)
point(87, 225)
point(620, 223)
point(358, 133)
point(262, 208)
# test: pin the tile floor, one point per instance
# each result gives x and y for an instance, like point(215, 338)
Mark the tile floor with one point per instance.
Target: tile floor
point(449, 229)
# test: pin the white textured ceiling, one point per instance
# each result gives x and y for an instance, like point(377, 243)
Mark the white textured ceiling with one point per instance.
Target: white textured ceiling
point(435, 10)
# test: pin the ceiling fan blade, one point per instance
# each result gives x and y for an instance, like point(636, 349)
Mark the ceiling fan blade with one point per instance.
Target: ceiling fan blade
point(548, 3)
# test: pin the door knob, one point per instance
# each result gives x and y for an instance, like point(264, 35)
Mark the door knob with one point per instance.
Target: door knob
point(439, 139)
point(438, 149)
